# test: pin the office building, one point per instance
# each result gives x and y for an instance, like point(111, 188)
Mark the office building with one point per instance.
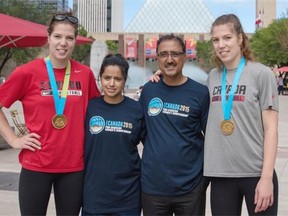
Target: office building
point(101, 15)
point(265, 12)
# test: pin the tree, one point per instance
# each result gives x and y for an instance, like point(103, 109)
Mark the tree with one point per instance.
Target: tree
point(112, 46)
point(81, 53)
point(25, 10)
point(28, 10)
point(204, 52)
point(270, 45)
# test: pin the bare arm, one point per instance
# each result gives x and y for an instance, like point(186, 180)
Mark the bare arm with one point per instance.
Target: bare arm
point(156, 76)
point(29, 141)
point(264, 191)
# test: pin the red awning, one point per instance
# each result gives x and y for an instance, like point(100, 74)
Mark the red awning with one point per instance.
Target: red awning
point(283, 69)
point(16, 32)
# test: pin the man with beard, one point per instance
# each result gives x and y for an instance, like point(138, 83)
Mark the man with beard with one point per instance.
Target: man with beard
point(176, 110)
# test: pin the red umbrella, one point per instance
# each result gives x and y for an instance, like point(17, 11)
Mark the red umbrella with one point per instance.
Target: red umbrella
point(16, 32)
point(283, 69)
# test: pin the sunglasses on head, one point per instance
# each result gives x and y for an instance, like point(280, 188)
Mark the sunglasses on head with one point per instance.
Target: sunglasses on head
point(60, 17)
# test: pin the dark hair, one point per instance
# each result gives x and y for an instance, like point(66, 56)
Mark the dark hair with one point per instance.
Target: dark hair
point(235, 27)
point(52, 22)
point(115, 59)
point(171, 37)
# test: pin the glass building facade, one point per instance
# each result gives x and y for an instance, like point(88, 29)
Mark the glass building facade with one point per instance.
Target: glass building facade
point(166, 16)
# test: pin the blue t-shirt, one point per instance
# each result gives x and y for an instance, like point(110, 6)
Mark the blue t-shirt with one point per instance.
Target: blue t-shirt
point(112, 162)
point(175, 116)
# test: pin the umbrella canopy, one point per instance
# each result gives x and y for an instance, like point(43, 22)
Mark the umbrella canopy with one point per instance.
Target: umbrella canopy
point(283, 69)
point(16, 32)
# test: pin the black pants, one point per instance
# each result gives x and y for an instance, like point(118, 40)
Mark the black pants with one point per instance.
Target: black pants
point(227, 196)
point(280, 89)
point(133, 212)
point(192, 203)
point(35, 189)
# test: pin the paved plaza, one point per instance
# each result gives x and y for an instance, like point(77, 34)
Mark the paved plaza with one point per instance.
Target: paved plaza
point(10, 168)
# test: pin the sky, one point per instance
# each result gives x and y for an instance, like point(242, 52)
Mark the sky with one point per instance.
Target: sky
point(244, 9)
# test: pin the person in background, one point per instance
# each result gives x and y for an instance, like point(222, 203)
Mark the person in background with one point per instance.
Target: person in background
point(176, 110)
point(114, 127)
point(138, 93)
point(54, 92)
point(242, 129)
point(280, 84)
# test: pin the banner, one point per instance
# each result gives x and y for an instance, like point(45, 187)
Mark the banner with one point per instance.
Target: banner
point(190, 44)
point(150, 47)
point(131, 48)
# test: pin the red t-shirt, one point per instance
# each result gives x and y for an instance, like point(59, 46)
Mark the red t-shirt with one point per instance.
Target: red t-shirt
point(62, 149)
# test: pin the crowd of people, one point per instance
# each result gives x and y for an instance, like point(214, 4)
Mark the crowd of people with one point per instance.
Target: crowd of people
point(83, 144)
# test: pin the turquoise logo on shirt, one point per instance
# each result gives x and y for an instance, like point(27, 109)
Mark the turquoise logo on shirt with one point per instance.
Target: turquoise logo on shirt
point(96, 124)
point(155, 106)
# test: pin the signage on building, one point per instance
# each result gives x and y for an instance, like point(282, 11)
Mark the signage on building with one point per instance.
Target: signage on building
point(150, 47)
point(131, 48)
point(190, 44)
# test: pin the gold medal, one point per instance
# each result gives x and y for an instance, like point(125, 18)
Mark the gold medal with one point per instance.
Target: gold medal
point(59, 121)
point(227, 127)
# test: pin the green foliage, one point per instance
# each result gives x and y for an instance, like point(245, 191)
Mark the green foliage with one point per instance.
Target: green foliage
point(19, 55)
point(112, 46)
point(24, 55)
point(27, 10)
point(204, 52)
point(270, 45)
point(81, 53)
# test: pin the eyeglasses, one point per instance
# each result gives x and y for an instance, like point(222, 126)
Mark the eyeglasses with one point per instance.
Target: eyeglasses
point(173, 54)
point(61, 17)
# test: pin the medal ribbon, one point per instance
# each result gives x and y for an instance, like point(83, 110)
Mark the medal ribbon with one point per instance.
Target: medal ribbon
point(227, 104)
point(58, 102)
